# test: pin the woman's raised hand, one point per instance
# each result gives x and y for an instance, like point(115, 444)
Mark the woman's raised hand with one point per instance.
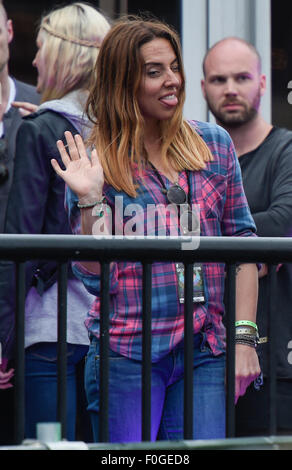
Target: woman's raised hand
point(82, 174)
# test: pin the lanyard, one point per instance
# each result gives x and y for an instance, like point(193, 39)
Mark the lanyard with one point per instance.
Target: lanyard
point(164, 188)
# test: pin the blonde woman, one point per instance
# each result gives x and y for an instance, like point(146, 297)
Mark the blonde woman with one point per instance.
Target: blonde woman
point(147, 154)
point(68, 43)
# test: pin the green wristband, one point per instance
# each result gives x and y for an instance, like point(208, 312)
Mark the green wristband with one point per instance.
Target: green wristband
point(246, 323)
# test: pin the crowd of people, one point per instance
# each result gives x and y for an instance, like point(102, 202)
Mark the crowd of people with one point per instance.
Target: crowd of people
point(105, 121)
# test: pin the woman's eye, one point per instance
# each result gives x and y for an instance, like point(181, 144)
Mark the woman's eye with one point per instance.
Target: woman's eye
point(153, 73)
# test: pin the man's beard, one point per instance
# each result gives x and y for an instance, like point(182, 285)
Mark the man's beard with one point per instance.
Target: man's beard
point(238, 118)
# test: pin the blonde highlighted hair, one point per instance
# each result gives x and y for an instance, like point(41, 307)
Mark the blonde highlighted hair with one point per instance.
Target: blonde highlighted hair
point(118, 133)
point(71, 36)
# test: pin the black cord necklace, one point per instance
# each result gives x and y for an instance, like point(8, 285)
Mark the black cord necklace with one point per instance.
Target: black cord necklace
point(175, 193)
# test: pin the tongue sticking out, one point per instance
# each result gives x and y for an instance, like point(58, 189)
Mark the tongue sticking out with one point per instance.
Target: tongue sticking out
point(169, 100)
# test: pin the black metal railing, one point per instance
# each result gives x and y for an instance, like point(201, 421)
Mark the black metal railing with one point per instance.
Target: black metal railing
point(230, 250)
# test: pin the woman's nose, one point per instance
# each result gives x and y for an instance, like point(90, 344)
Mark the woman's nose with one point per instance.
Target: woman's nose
point(173, 79)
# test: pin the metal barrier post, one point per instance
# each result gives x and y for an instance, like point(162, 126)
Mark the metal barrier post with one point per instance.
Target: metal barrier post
point(230, 350)
point(19, 354)
point(146, 352)
point(188, 352)
point(62, 348)
point(104, 354)
point(272, 356)
point(212, 249)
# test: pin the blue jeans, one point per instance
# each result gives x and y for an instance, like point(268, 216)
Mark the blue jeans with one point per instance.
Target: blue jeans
point(166, 394)
point(41, 382)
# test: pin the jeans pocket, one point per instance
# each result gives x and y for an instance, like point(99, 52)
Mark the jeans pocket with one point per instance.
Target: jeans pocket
point(43, 351)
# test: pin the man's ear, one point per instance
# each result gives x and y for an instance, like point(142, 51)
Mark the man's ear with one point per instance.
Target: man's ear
point(203, 87)
point(9, 26)
point(263, 84)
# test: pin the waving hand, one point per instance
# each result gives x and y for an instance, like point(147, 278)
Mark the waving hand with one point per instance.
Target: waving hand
point(82, 174)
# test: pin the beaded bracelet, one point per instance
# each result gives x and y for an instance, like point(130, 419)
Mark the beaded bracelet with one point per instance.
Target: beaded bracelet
point(252, 344)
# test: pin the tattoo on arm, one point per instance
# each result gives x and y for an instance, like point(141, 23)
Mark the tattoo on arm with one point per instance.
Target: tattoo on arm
point(238, 268)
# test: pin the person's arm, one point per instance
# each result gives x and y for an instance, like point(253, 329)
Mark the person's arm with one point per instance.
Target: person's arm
point(22, 216)
point(247, 367)
point(35, 205)
point(237, 221)
point(276, 220)
point(84, 176)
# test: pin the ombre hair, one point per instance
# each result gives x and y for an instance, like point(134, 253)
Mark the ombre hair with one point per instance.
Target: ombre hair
point(118, 131)
point(72, 36)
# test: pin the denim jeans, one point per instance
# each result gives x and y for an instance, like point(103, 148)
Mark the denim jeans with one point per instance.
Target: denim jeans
point(41, 383)
point(167, 393)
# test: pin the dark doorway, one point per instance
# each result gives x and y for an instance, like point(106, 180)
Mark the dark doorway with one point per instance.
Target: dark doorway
point(166, 10)
point(282, 63)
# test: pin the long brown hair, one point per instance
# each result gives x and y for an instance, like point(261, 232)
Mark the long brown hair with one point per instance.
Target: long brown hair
point(113, 107)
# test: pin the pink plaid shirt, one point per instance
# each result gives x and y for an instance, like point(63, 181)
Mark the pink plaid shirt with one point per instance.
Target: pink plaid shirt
point(223, 211)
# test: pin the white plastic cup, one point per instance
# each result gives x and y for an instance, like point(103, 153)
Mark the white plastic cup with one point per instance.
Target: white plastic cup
point(48, 432)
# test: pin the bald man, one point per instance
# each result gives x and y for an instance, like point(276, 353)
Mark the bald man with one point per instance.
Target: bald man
point(233, 87)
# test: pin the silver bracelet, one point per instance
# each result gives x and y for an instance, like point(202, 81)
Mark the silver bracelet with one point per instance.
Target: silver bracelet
point(248, 339)
point(90, 204)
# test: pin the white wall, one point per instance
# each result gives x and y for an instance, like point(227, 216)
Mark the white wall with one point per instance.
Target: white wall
point(204, 22)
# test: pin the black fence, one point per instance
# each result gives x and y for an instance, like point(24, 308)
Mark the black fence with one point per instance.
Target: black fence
point(64, 249)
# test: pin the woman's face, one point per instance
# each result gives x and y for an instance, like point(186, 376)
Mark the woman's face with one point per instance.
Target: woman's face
point(39, 63)
point(159, 90)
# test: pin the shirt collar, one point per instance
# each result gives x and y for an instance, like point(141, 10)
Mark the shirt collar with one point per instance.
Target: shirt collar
point(12, 93)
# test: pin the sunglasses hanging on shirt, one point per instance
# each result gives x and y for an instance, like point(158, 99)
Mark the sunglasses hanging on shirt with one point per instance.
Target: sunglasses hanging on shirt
point(175, 194)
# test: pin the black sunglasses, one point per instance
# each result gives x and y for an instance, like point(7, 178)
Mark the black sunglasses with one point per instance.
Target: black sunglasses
point(189, 220)
point(4, 173)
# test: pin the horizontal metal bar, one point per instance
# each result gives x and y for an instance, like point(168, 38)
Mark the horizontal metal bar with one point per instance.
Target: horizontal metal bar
point(239, 443)
point(85, 247)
